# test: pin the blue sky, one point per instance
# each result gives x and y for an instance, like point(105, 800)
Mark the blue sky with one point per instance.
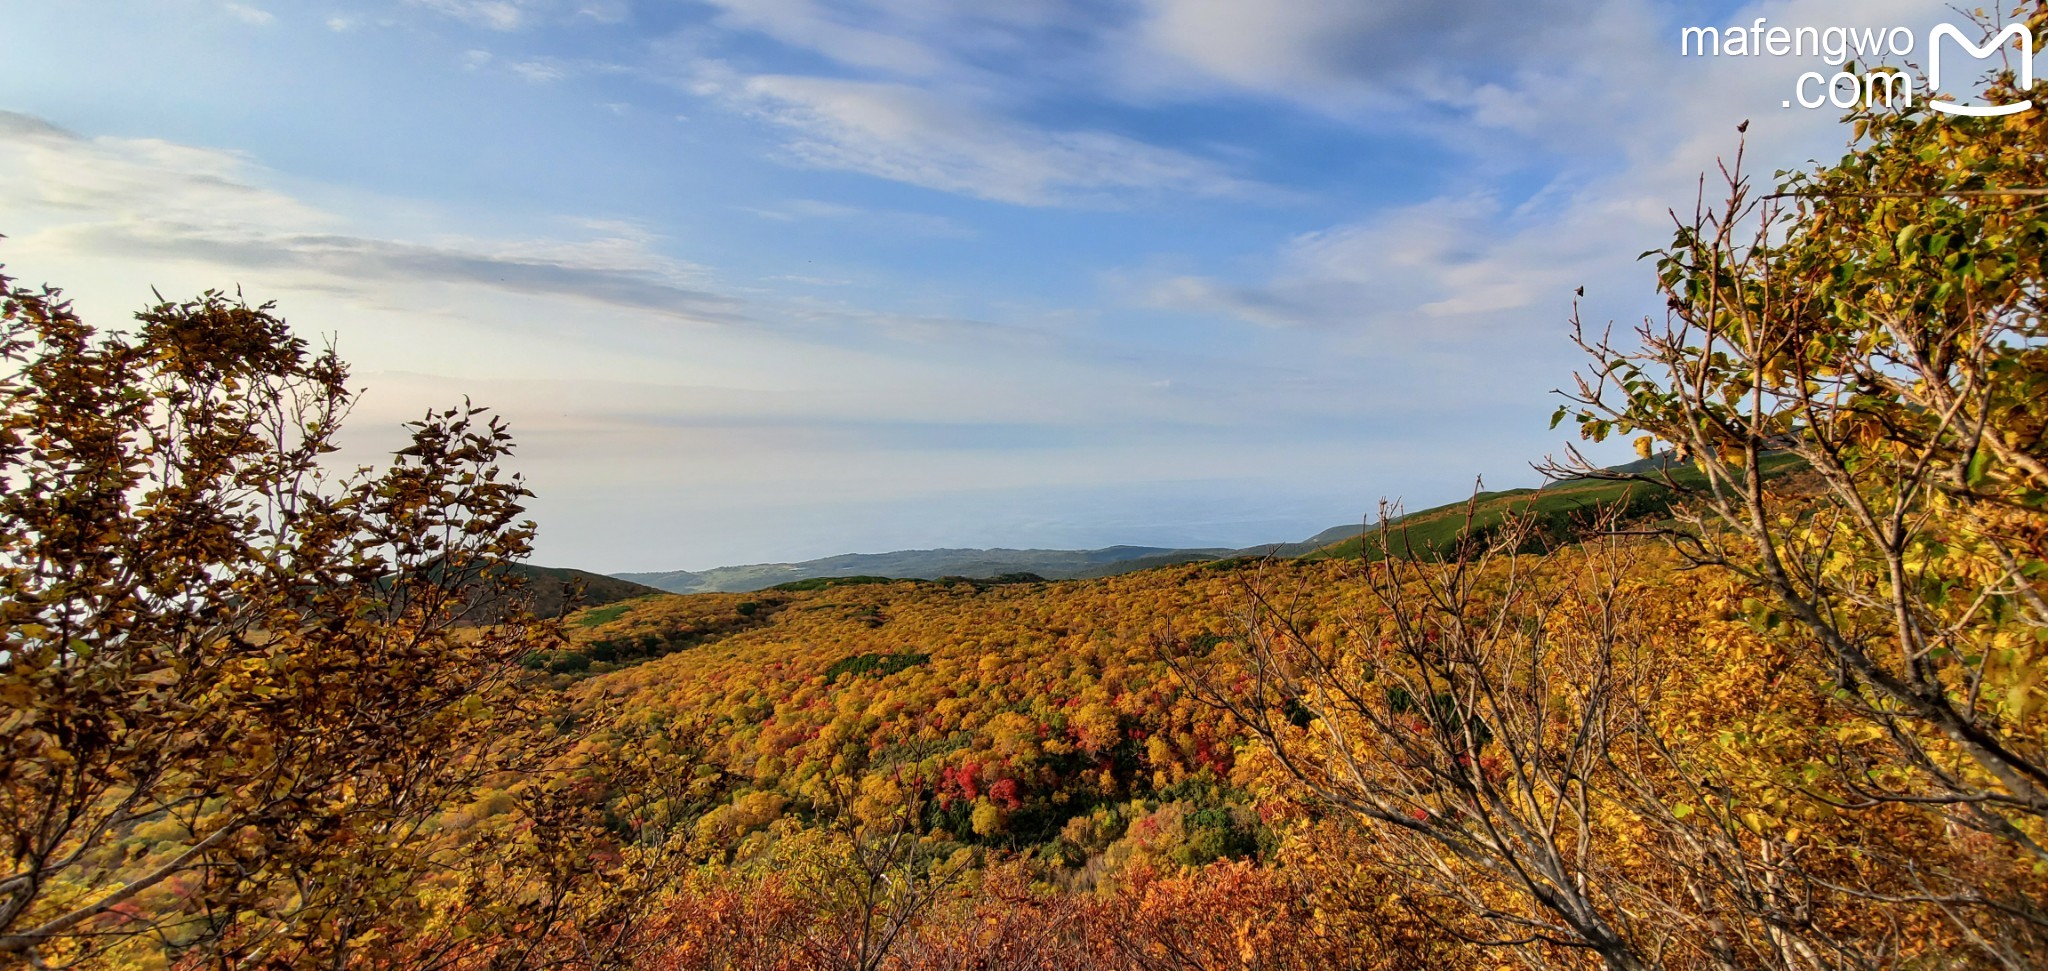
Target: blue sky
point(773, 279)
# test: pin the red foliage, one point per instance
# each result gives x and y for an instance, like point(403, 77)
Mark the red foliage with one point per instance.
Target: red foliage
point(1005, 791)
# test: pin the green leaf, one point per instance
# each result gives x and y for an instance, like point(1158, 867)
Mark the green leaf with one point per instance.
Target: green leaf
point(1980, 463)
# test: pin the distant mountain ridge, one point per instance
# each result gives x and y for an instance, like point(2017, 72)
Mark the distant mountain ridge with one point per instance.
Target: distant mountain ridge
point(926, 565)
point(974, 563)
point(1557, 500)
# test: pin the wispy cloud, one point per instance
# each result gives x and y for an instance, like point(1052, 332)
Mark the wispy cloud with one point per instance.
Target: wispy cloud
point(1449, 269)
point(503, 15)
point(1371, 62)
point(541, 70)
point(513, 15)
point(577, 271)
point(254, 16)
point(908, 134)
point(153, 200)
point(1622, 148)
point(1340, 54)
point(143, 197)
point(931, 38)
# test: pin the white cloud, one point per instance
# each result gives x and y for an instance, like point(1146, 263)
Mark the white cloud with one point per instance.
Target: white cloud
point(137, 179)
point(928, 38)
point(1344, 55)
point(514, 15)
point(153, 199)
point(540, 70)
point(1332, 55)
point(947, 121)
point(907, 134)
point(604, 11)
point(1627, 133)
point(504, 15)
point(254, 16)
point(1449, 269)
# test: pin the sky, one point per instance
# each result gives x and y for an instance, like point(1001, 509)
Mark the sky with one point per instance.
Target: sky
point(765, 280)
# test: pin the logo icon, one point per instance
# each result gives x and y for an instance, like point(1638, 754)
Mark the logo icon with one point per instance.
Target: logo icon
point(2026, 74)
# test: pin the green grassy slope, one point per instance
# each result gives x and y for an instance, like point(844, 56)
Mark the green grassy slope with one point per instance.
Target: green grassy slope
point(1560, 510)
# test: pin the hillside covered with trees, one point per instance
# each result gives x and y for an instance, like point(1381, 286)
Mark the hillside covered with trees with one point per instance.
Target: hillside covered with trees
point(1781, 703)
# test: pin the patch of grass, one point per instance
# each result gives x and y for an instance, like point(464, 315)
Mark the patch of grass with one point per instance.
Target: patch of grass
point(1559, 511)
point(603, 615)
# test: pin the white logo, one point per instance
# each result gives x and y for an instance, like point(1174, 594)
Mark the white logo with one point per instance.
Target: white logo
point(1873, 86)
point(2014, 32)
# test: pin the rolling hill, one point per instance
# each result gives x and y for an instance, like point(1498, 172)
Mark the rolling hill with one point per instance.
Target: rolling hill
point(558, 590)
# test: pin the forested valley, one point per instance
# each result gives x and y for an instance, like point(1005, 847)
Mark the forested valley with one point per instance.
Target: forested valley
point(1779, 704)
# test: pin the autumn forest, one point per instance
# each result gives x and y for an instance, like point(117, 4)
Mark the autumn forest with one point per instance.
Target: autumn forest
point(1779, 700)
